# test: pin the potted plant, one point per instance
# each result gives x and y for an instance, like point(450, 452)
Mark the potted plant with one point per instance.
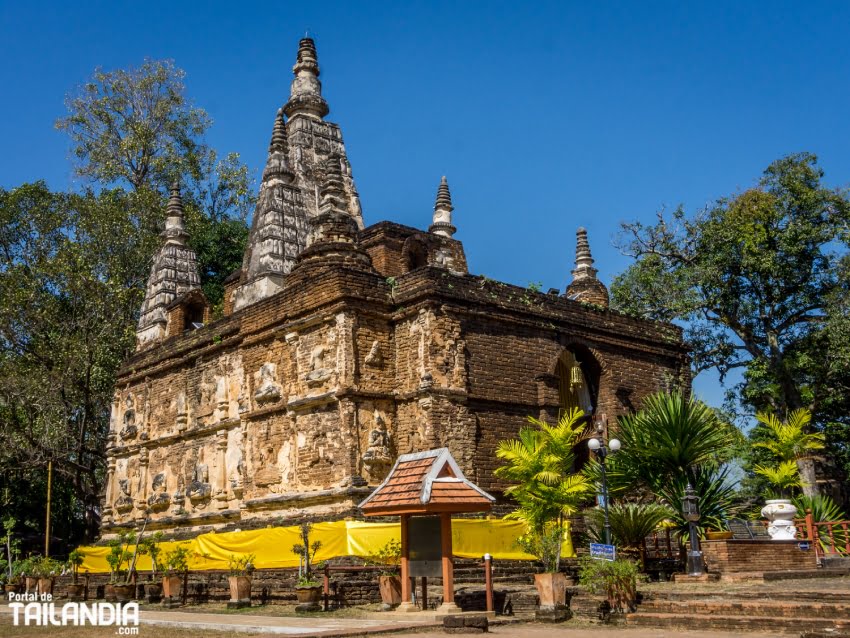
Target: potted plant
point(539, 464)
point(616, 579)
point(119, 588)
point(175, 564)
point(389, 581)
point(791, 445)
point(12, 569)
point(26, 570)
point(150, 547)
point(241, 574)
point(45, 569)
point(308, 591)
point(75, 589)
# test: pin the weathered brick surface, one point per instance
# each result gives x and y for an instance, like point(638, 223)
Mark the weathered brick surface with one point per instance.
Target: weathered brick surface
point(746, 556)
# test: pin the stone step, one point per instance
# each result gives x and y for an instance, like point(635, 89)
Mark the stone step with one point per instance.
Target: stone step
point(839, 596)
point(734, 623)
point(776, 609)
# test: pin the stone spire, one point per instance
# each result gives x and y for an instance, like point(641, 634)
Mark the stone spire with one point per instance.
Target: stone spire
point(442, 224)
point(585, 286)
point(174, 272)
point(279, 227)
point(306, 93)
point(333, 232)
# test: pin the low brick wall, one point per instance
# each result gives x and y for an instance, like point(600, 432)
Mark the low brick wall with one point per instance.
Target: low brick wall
point(740, 556)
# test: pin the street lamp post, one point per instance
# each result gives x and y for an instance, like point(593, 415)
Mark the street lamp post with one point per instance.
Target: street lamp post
point(690, 508)
point(598, 447)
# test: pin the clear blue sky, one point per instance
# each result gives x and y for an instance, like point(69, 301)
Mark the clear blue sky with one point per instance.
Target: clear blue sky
point(544, 116)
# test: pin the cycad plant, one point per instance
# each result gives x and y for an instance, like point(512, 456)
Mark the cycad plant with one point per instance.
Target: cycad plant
point(791, 443)
point(539, 465)
point(630, 524)
point(675, 440)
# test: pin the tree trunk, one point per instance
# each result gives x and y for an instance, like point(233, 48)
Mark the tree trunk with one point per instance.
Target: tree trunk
point(806, 467)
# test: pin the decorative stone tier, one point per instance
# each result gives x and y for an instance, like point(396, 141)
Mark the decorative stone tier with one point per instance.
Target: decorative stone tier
point(753, 556)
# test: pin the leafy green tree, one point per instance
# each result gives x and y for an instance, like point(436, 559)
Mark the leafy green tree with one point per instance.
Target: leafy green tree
point(136, 128)
point(72, 269)
point(761, 281)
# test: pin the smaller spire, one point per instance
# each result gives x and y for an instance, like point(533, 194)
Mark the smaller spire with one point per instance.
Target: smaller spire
point(279, 142)
point(442, 222)
point(305, 96)
point(585, 286)
point(584, 261)
point(175, 228)
point(277, 164)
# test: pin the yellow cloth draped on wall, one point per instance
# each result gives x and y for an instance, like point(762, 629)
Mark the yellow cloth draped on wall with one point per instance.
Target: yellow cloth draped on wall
point(471, 538)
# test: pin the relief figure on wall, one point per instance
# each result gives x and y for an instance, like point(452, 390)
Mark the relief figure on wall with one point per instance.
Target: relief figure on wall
point(129, 429)
point(268, 390)
point(159, 500)
point(199, 490)
point(378, 456)
point(124, 502)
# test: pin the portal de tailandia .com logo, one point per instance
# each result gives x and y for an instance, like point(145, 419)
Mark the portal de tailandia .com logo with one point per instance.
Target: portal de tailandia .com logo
point(39, 610)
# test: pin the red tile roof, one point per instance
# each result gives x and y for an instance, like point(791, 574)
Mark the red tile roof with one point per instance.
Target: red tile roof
point(426, 482)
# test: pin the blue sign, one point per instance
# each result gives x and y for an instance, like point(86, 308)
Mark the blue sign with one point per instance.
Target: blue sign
point(804, 545)
point(603, 552)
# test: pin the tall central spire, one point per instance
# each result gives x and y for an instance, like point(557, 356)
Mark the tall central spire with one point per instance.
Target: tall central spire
point(306, 93)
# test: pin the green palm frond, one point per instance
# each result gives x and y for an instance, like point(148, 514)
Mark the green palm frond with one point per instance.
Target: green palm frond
point(783, 476)
point(790, 439)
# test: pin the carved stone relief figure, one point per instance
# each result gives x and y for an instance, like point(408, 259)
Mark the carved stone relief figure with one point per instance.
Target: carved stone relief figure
point(206, 396)
point(319, 373)
point(124, 502)
point(199, 489)
point(378, 456)
point(159, 500)
point(129, 429)
point(237, 481)
point(375, 357)
point(268, 389)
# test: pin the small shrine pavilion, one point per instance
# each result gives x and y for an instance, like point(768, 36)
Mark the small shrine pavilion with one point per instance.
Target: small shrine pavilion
point(425, 489)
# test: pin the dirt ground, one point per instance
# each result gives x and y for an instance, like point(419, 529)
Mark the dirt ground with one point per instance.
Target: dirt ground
point(517, 630)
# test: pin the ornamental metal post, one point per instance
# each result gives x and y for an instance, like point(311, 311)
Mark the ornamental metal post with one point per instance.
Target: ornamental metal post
point(690, 508)
point(602, 450)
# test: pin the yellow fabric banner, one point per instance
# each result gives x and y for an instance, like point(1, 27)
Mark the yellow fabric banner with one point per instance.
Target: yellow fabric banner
point(272, 546)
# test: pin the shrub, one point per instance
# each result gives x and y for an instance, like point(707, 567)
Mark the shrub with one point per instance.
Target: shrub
point(616, 579)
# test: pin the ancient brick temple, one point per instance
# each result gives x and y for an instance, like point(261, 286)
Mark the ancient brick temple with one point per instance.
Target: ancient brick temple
point(343, 346)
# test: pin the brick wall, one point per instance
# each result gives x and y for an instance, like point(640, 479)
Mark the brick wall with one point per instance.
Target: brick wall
point(739, 556)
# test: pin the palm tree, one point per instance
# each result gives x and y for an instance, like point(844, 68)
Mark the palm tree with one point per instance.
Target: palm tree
point(791, 442)
point(539, 464)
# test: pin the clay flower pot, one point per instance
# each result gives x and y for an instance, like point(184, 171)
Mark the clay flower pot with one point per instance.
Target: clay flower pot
point(172, 587)
point(109, 593)
point(153, 592)
point(308, 598)
point(390, 587)
point(45, 585)
point(31, 584)
point(124, 592)
point(75, 592)
point(11, 588)
point(240, 590)
point(718, 536)
point(552, 589)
